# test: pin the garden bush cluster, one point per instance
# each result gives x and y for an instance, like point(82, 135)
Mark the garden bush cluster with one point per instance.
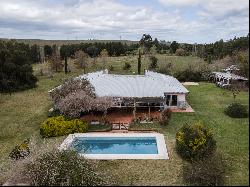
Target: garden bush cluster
point(193, 142)
point(208, 172)
point(191, 74)
point(59, 126)
point(63, 168)
point(236, 110)
point(20, 151)
point(205, 167)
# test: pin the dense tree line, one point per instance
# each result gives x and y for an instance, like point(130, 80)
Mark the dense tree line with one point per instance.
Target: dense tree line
point(94, 49)
point(113, 48)
point(221, 49)
point(15, 67)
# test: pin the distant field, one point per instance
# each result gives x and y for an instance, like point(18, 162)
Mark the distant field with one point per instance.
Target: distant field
point(178, 63)
point(21, 114)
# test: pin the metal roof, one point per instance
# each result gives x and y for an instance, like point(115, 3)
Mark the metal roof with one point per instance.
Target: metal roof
point(228, 75)
point(231, 68)
point(151, 84)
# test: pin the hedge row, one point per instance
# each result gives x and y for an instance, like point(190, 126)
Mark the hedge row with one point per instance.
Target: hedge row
point(59, 126)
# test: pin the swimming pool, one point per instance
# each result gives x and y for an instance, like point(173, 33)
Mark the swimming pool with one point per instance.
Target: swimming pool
point(117, 145)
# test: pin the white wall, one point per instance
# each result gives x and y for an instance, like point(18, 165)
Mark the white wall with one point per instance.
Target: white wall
point(181, 97)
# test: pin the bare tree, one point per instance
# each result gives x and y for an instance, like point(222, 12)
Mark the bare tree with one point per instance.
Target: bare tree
point(153, 50)
point(236, 87)
point(75, 103)
point(81, 59)
point(76, 96)
point(69, 86)
point(55, 63)
point(79, 101)
point(104, 55)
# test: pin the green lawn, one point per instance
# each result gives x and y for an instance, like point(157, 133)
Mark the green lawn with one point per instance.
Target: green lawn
point(22, 112)
point(232, 137)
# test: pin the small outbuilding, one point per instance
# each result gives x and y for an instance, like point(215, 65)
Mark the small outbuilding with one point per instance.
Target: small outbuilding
point(227, 76)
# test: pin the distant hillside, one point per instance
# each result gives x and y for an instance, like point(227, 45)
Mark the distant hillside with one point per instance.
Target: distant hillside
point(65, 42)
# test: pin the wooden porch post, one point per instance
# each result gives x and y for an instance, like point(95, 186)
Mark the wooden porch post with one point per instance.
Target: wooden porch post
point(148, 110)
point(134, 111)
point(170, 101)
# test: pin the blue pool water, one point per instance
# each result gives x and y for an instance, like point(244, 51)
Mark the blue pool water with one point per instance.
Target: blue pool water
point(115, 145)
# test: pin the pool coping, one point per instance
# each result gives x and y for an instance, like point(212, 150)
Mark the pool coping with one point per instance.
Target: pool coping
point(160, 140)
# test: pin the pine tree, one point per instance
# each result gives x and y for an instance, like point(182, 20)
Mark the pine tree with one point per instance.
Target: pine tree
point(139, 62)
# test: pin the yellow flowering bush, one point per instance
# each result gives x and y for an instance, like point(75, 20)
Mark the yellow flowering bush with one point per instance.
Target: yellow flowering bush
point(59, 126)
point(193, 142)
point(20, 151)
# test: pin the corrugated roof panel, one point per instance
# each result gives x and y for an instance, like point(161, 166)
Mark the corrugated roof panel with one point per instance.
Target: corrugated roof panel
point(151, 84)
point(228, 75)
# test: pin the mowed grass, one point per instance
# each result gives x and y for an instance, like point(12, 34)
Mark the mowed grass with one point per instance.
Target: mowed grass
point(232, 136)
point(21, 114)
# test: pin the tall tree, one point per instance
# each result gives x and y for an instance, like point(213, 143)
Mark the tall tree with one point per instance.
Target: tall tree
point(15, 67)
point(81, 59)
point(93, 52)
point(35, 55)
point(48, 51)
point(104, 56)
point(139, 62)
point(146, 43)
point(174, 46)
point(66, 65)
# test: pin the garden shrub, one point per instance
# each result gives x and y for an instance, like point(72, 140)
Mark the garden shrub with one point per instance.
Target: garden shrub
point(194, 142)
point(153, 63)
point(195, 72)
point(165, 116)
point(207, 172)
point(111, 68)
point(59, 126)
point(63, 168)
point(189, 75)
point(181, 52)
point(54, 113)
point(236, 110)
point(20, 151)
point(126, 66)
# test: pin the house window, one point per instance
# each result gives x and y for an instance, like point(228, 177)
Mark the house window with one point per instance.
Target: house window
point(174, 100)
point(171, 100)
point(168, 100)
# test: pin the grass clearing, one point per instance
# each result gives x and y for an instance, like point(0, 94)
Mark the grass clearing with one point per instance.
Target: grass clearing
point(21, 114)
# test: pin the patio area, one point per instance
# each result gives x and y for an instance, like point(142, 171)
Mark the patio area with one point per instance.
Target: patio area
point(126, 116)
point(123, 115)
